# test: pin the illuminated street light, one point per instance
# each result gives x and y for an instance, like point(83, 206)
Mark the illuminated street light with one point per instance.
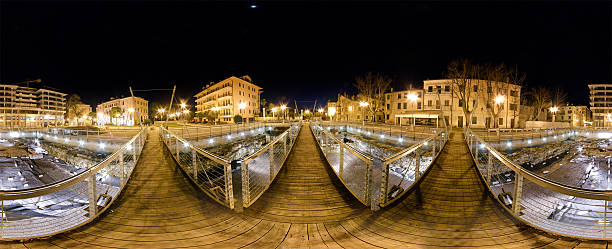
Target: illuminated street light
point(331, 111)
point(412, 97)
point(283, 107)
point(183, 105)
point(185, 111)
point(161, 110)
point(321, 109)
point(242, 105)
point(499, 99)
point(130, 110)
point(554, 110)
point(363, 104)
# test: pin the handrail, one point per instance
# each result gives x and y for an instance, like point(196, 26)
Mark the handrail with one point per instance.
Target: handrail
point(407, 151)
point(354, 151)
point(50, 188)
point(266, 147)
point(546, 183)
point(205, 153)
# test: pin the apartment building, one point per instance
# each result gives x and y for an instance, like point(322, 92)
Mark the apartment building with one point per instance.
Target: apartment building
point(132, 111)
point(601, 104)
point(230, 97)
point(404, 107)
point(576, 116)
point(31, 107)
point(439, 100)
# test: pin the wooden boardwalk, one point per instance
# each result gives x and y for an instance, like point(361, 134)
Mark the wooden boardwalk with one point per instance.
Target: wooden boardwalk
point(306, 207)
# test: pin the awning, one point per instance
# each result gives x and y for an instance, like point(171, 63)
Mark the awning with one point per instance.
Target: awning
point(417, 115)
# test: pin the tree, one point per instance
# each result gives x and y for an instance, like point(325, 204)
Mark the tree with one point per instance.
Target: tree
point(463, 75)
point(116, 112)
point(497, 80)
point(237, 119)
point(372, 88)
point(540, 97)
point(72, 107)
point(212, 116)
point(92, 115)
point(558, 97)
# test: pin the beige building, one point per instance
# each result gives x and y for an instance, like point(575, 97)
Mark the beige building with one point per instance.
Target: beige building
point(576, 116)
point(439, 100)
point(230, 97)
point(134, 110)
point(601, 104)
point(404, 107)
point(347, 108)
point(31, 107)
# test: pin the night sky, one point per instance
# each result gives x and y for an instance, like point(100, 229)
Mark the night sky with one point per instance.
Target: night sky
point(298, 50)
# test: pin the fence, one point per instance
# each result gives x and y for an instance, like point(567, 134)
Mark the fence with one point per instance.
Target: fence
point(375, 180)
point(62, 205)
point(540, 202)
point(233, 183)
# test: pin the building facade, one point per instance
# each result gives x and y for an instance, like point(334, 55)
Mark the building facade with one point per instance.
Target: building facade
point(403, 107)
point(228, 98)
point(601, 104)
point(576, 116)
point(348, 108)
point(438, 99)
point(31, 107)
point(133, 111)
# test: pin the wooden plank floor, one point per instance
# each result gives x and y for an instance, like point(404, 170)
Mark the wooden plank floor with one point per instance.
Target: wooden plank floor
point(306, 207)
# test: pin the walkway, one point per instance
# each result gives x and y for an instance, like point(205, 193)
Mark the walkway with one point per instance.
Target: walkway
point(306, 207)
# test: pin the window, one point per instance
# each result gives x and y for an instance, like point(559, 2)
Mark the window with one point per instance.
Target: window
point(474, 120)
point(419, 105)
point(387, 116)
point(473, 103)
point(475, 88)
point(399, 96)
point(429, 88)
point(428, 102)
point(501, 121)
point(446, 102)
point(446, 88)
point(388, 107)
point(512, 107)
point(404, 105)
point(399, 105)
point(438, 104)
point(513, 93)
point(388, 97)
point(460, 103)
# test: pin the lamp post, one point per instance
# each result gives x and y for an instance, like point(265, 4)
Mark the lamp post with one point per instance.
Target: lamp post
point(554, 110)
point(242, 106)
point(363, 104)
point(283, 107)
point(498, 101)
point(274, 109)
point(413, 98)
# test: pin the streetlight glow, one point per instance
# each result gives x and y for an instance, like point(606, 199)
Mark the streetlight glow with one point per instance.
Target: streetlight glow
point(242, 105)
point(161, 110)
point(183, 105)
point(130, 110)
point(412, 97)
point(499, 99)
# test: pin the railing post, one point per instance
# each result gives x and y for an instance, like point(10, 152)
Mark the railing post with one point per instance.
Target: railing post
point(371, 184)
point(271, 156)
point(235, 174)
point(285, 142)
point(433, 147)
point(194, 164)
point(384, 183)
point(122, 169)
point(341, 161)
point(417, 165)
point(518, 193)
point(489, 168)
point(246, 195)
point(229, 191)
point(176, 147)
point(91, 191)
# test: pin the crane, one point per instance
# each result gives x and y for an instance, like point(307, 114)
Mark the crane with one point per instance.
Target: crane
point(27, 82)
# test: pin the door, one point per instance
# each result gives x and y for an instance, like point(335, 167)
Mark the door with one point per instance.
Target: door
point(460, 121)
point(488, 122)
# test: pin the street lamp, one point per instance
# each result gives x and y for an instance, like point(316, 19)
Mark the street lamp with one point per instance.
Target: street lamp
point(274, 109)
point(498, 101)
point(283, 107)
point(332, 111)
point(183, 105)
point(363, 104)
point(554, 110)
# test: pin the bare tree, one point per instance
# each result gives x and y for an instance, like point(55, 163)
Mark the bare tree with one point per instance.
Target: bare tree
point(558, 97)
point(372, 88)
point(463, 75)
point(540, 100)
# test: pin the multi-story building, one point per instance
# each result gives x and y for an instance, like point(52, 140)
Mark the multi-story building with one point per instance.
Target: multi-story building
point(404, 107)
point(132, 111)
point(348, 108)
point(439, 100)
point(601, 104)
point(230, 97)
point(26, 106)
point(576, 116)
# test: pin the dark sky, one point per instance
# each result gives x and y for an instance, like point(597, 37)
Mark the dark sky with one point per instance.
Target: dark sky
point(301, 50)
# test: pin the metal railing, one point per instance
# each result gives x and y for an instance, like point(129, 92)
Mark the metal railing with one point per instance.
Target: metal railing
point(540, 202)
point(233, 183)
point(378, 180)
point(53, 205)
